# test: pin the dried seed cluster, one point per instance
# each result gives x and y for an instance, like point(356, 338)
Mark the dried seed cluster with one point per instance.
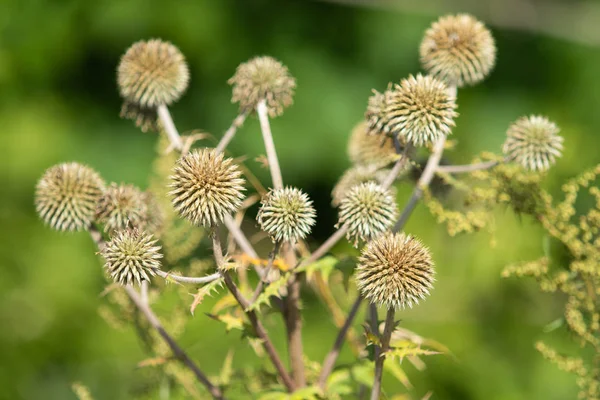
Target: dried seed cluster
point(205, 187)
point(120, 207)
point(354, 176)
point(131, 256)
point(533, 142)
point(365, 148)
point(395, 270)
point(144, 118)
point(368, 210)
point(152, 73)
point(66, 196)
point(459, 50)
point(286, 215)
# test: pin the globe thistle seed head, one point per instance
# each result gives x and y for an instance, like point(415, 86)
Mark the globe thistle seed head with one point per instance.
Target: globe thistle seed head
point(152, 73)
point(459, 50)
point(131, 255)
point(155, 217)
point(263, 78)
point(365, 148)
point(375, 115)
point(66, 196)
point(144, 118)
point(368, 210)
point(286, 215)
point(395, 270)
point(120, 207)
point(205, 187)
point(533, 142)
point(354, 176)
point(420, 110)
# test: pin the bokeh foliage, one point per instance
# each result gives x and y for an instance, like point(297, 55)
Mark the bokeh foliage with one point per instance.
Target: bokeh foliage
point(58, 101)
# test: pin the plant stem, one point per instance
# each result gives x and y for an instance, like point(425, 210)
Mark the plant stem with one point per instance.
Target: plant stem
point(189, 279)
point(145, 309)
point(178, 352)
point(385, 346)
point(458, 169)
point(230, 133)
point(374, 325)
point(261, 283)
point(256, 324)
point(333, 354)
point(144, 291)
point(265, 127)
point(293, 323)
point(169, 126)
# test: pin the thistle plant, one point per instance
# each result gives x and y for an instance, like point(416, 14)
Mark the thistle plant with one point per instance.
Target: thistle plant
point(146, 237)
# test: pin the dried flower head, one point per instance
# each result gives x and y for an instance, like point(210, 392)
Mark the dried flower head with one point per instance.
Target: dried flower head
point(368, 210)
point(420, 110)
point(206, 187)
point(263, 78)
point(66, 196)
point(533, 142)
point(120, 207)
point(459, 50)
point(152, 73)
point(365, 148)
point(155, 216)
point(375, 115)
point(131, 256)
point(286, 215)
point(144, 118)
point(354, 176)
point(395, 270)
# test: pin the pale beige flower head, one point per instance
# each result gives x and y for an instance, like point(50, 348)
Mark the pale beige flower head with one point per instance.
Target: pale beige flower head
point(263, 78)
point(533, 142)
point(66, 196)
point(368, 210)
point(395, 270)
point(365, 148)
point(152, 73)
point(144, 118)
point(354, 176)
point(286, 215)
point(120, 207)
point(459, 50)
point(206, 186)
point(131, 256)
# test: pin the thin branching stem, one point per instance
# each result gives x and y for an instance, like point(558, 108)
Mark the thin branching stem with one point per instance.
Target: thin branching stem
point(385, 346)
point(230, 133)
point(169, 127)
point(145, 309)
point(261, 283)
point(265, 127)
point(459, 169)
point(189, 279)
point(256, 324)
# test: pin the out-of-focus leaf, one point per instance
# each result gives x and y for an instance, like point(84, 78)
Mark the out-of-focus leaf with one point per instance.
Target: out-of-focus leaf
point(272, 289)
point(204, 291)
point(226, 369)
point(363, 373)
point(325, 265)
point(229, 320)
point(339, 383)
point(395, 369)
point(152, 362)
point(402, 352)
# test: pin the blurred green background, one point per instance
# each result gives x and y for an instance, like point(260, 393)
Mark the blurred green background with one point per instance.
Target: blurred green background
point(59, 102)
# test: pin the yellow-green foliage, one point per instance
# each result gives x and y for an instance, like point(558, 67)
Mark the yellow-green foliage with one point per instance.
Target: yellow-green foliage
point(579, 280)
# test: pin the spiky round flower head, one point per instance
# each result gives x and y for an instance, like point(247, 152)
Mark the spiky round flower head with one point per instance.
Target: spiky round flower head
point(286, 215)
point(354, 176)
point(155, 217)
point(368, 210)
point(206, 187)
point(120, 207)
point(375, 114)
point(152, 73)
point(144, 118)
point(533, 142)
point(131, 256)
point(459, 50)
point(365, 148)
point(395, 270)
point(420, 110)
point(263, 78)
point(66, 196)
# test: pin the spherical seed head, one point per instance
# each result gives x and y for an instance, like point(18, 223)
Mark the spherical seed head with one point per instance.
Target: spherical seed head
point(131, 256)
point(365, 148)
point(533, 142)
point(286, 215)
point(368, 210)
point(155, 217)
point(120, 207)
point(354, 176)
point(459, 50)
point(66, 196)
point(395, 270)
point(152, 73)
point(206, 187)
point(420, 110)
point(375, 114)
point(263, 78)
point(144, 118)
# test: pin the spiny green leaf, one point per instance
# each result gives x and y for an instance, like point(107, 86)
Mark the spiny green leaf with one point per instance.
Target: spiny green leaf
point(272, 289)
point(325, 265)
point(229, 320)
point(402, 352)
point(395, 369)
point(204, 291)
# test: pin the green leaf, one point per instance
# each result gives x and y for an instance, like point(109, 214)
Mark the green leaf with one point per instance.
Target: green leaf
point(402, 352)
point(339, 383)
point(226, 369)
point(395, 369)
point(229, 320)
point(325, 265)
point(364, 373)
point(204, 291)
point(272, 289)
